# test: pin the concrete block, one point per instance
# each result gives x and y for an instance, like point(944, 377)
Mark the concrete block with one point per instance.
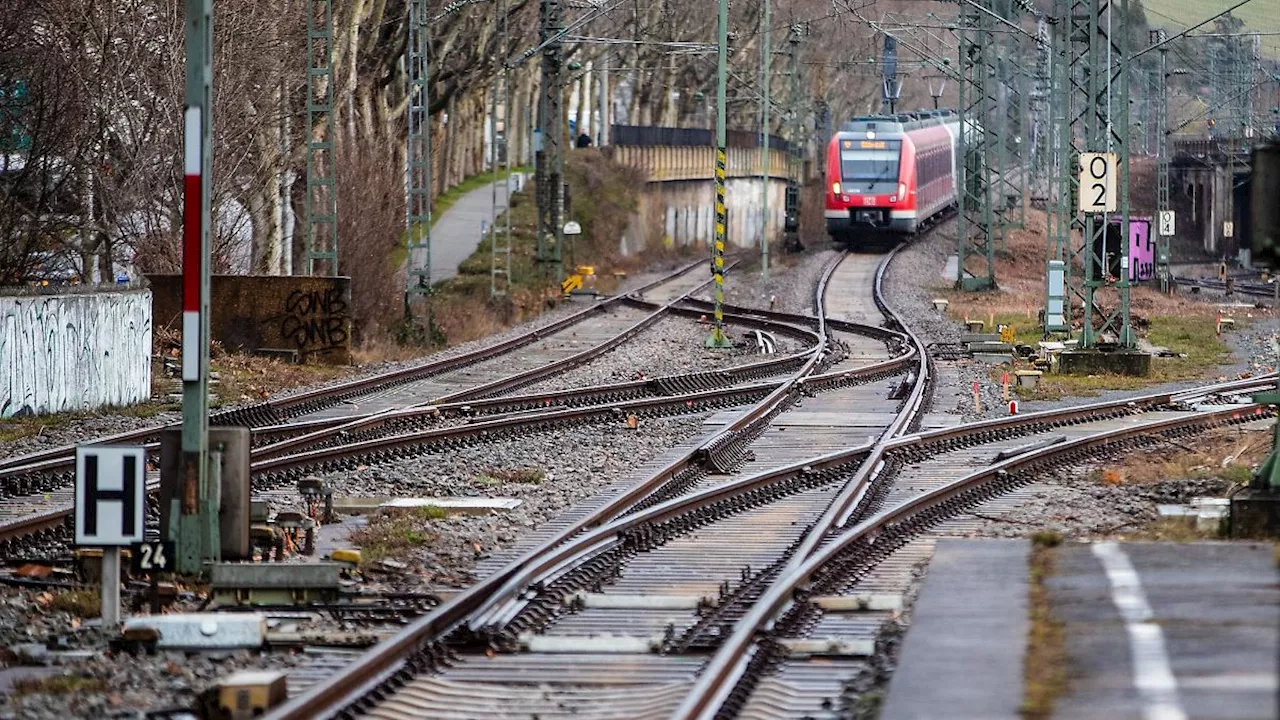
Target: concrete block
point(829, 647)
point(250, 693)
point(592, 644)
point(453, 506)
point(1094, 362)
point(990, 347)
point(613, 601)
point(993, 358)
point(1255, 513)
point(1028, 378)
point(274, 575)
point(275, 583)
point(979, 337)
point(201, 631)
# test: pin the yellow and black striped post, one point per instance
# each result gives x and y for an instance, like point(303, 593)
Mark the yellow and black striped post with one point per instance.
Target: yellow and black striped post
point(717, 338)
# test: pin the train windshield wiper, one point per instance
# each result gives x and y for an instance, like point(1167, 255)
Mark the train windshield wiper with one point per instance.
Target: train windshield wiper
point(884, 175)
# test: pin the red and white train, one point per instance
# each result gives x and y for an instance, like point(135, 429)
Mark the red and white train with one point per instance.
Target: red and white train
point(891, 175)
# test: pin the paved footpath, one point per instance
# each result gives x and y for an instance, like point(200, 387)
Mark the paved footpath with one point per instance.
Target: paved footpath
point(456, 233)
point(1165, 631)
point(1154, 631)
point(962, 659)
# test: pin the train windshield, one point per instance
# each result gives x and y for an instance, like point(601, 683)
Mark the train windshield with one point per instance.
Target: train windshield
point(869, 161)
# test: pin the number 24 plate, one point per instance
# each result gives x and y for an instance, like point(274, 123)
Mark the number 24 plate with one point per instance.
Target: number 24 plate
point(149, 557)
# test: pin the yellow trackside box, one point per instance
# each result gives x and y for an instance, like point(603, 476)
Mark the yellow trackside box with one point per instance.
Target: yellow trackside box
point(250, 694)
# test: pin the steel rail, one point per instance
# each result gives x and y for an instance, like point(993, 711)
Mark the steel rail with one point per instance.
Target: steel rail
point(290, 403)
point(486, 604)
point(856, 488)
point(483, 428)
point(365, 385)
point(268, 462)
point(835, 460)
point(477, 396)
point(1252, 289)
point(729, 663)
point(392, 656)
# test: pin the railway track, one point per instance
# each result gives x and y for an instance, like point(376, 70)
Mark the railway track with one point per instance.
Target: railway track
point(815, 628)
point(1249, 287)
point(37, 501)
point(269, 417)
point(497, 614)
point(691, 594)
point(34, 489)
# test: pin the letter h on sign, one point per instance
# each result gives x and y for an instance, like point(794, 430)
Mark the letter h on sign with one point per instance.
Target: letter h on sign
point(110, 495)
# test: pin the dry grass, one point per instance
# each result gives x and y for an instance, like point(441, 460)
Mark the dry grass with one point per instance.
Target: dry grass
point(1173, 529)
point(1227, 453)
point(1020, 271)
point(1044, 671)
point(84, 603)
point(249, 378)
point(396, 535)
point(1176, 323)
point(58, 685)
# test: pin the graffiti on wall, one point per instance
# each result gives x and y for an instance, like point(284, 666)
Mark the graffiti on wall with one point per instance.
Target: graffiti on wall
point(1142, 251)
point(314, 320)
point(74, 352)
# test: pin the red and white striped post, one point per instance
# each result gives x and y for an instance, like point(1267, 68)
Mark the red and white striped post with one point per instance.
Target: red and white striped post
point(193, 256)
point(193, 515)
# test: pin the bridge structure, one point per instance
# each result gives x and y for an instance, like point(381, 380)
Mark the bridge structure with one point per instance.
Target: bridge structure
point(1210, 184)
point(679, 194)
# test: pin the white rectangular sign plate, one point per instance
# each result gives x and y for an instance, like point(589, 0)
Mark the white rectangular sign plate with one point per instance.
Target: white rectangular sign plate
point(111, 486)
point(1098, 182)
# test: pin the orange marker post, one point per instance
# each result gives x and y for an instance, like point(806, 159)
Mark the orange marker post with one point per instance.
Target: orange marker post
point(977, 397)
point(1004, 382)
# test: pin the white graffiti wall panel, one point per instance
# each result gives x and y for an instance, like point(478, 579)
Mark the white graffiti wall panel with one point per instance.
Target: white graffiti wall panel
point(74, 352)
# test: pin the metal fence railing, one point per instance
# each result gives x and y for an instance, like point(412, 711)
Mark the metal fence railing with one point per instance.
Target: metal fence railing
point(646, 136)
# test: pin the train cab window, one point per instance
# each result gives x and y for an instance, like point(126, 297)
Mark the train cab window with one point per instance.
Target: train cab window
point(874, 164)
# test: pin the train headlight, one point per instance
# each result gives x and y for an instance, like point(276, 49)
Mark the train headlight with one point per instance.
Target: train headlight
point(835, 188)
point(902, 191)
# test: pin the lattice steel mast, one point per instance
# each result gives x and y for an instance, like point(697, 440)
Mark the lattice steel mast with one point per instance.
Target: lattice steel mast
point(1102, 125)
point(418, 159)
point(1164, 275)
point(500, 257)
point(321, 202)
point(975, 223)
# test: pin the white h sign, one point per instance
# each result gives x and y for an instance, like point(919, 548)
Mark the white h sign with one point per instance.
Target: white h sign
point(1166, 223)
point(1098, 182)
point(110, 495)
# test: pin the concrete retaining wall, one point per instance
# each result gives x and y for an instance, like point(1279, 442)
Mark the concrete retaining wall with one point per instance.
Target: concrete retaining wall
point(74, 352)
point(266, 313)
point(682, 212)
point(678, 202)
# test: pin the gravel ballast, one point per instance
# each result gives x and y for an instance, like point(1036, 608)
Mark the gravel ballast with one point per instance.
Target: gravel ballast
point(564, 465)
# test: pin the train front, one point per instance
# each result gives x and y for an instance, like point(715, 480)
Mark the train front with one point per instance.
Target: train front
point(863, 184)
